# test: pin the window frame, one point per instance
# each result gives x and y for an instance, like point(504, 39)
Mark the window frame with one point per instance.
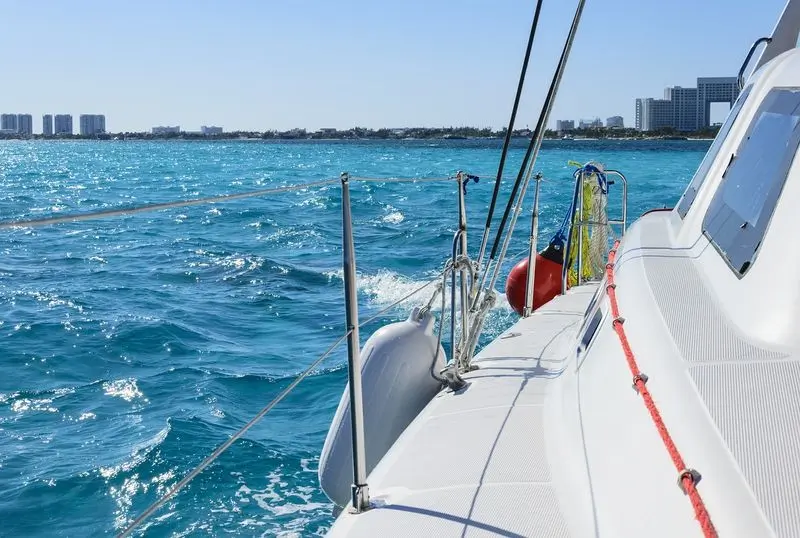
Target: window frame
point(700, 176)
point(777, 184)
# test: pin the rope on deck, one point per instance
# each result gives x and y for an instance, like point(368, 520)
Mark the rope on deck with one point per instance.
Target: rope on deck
point(687, 478)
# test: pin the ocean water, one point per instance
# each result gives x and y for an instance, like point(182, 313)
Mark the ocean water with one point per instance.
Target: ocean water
point(131, 347)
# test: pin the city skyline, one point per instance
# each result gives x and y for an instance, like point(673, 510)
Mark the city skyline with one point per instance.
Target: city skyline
point(23, 124)
point(686, 109)
point(256, 65)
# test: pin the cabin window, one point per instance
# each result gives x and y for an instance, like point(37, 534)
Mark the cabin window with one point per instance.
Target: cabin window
point(699, 177)
point(742, 207)
point(590, 330)
point(591, 319)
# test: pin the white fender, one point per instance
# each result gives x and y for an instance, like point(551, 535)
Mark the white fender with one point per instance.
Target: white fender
point(397, 384)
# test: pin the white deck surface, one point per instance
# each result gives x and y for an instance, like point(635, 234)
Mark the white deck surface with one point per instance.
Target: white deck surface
point(546, 442)
point(474, 463)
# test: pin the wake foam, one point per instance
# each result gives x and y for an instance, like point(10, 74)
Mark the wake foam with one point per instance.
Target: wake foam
point(386, 287)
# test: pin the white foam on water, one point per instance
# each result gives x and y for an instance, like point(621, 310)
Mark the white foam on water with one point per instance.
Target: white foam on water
point(395, 217)
point(386, 287)
point(27, 404)
point(123, 388)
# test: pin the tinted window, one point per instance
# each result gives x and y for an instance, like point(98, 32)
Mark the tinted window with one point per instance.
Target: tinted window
point(697, 181)
point(590, 330)
point(742, 206)
point(591, 318)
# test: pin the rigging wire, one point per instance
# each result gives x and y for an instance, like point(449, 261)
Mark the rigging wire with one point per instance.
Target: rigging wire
point(536, 140)
point(120, 212)
point(507, 141)
point(224, 446)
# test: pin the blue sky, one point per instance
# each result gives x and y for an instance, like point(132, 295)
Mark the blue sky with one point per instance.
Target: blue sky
point(279, 64)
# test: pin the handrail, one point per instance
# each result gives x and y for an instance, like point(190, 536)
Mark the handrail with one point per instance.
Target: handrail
point(753, 47)
point(579, 220)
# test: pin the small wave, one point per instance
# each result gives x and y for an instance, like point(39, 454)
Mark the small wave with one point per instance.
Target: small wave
point(138, 454)
point(26, 404)
point(395, 217)
point(386, 287)
point(123, 388)
point(52, 300)
point(35, 401)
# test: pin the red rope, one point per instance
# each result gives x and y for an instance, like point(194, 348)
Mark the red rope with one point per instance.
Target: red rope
point(688, 477)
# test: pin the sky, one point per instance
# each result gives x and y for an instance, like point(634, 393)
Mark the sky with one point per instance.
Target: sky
point(280, 64)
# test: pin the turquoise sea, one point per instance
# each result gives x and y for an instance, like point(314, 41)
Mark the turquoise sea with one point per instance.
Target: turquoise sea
point(131, 347)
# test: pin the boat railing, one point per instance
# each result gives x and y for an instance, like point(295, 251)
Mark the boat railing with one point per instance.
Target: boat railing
point(460, 269)
point(459, 265)
point(746, 62)
point(584, 221)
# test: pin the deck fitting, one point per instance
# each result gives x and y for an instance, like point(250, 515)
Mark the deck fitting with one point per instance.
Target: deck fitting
point(691, 474)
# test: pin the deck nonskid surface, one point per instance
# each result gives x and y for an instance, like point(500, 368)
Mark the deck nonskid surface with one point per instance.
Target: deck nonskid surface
point(474, 462)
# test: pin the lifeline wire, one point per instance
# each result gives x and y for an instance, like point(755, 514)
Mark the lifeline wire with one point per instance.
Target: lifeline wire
point(285, 392)
point(92, 215)
point(224, 446)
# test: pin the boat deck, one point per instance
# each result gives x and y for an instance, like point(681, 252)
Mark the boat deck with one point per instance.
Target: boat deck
point(475, 462)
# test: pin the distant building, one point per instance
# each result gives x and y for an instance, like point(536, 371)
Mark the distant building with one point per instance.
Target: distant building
point(714, 90)
point(653, 114)
point(8, 123)
point(596, 123)
point(615, 122)
point(565, 125)
point(47, 125)
point(209, 130)
point(686, 109)
point(63, 124)
point(92, 124)
point(165, 130)
point(25, 124)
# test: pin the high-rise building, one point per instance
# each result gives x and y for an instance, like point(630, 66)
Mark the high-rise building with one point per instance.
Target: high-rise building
point(714, 90)
point(615, 122)
point(25, 124)
point(653, 114)
point(63, 124)
point(92, 124)
point(565, 125)
point(686, 109)
point(47, 125)
point(8, 122)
